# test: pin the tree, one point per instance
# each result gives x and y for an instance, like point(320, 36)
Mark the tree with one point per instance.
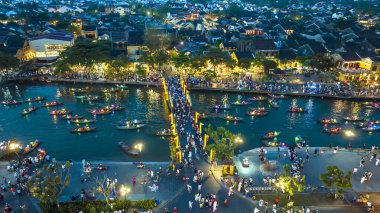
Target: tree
point(8, 61)
point(268, 65)
point(75, 30)
point(85, 54)
point(181, 60)
point(223, 142)
point(216, 57)
point(335, 179)
point(118, 67)
point(289, 184)
point(48, 183)
point(245, 63)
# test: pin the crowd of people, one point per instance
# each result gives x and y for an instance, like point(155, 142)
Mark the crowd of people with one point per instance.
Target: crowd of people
point(336, 89)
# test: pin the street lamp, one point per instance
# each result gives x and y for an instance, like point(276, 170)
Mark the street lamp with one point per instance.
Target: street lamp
point(124, 191)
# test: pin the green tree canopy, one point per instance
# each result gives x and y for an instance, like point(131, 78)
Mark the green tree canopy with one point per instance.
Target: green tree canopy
point(223, 142)
point(336, 179)
point(8, 61)
point(216, 57)
point(48, 184)
point(245, 63)
point(85, 53)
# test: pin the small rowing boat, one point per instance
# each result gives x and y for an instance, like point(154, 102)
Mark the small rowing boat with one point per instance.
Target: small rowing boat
point(115, 108)
point(252, 112)
point(120, 86)
point(165, 132)
point(131, 122)
point(333, 131)
point(273, 104)
point(329, 121)
point(221, 107)
point(70, 117)
point(82, 121)
point(362, 125)
point(78, 90)
point(260, 109)
point(274, 144)
point(11, 102)
point(52, 104)
point(60, 112)
point(260, 98)
point(127, 149)
point(130, 127)
point(30, 147)
point(36, 99)
point(112, 90)
point(231, 118)
point(93, 98)
point(240, 103)
point(83, 129)
point(296, 110)
point(270, 135)
point(100, 112)
point(354, 118)
point(28, 111)
point(372, 128)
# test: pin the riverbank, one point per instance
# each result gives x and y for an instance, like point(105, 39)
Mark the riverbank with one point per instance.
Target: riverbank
point(291, 94)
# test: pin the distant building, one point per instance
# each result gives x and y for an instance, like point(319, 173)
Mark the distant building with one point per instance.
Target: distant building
point(46, 47)
point(90, 31)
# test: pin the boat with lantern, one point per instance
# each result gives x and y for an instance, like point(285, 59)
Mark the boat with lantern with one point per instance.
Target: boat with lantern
point(240, 103)
point(333, 130)
point(52, 104)
point(231, 118)
point(127, 149)
point(100, 112)
point(254, 112)
point(11, 102)
point(329, 121)
point(130, 126)
point(70, 117)
point(221, 107)
point(36, 99)
point(270, 135)
point(60, 112)
point(84, 129)
point(81, 121)
point(29, 111)
point(30, 147)
point(115, 108)
point(297, 110)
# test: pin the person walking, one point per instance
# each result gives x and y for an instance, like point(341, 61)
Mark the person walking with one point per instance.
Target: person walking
point(377, 161)
point(190, 205)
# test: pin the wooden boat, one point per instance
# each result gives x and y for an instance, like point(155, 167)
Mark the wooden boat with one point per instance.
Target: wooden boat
point(130, 127)
point(277, 96)
point(120, 86)
point(375, 121)
point(260, 98)
point(240, 103)
point(353, 118)
point(11, 102)
point(83, 129)
point(274, 144)
point(100, 112)
point(112, 90)
point(221, 107)
point(329, 121)
point(30, 147)
point(28, 111)
point(78, 90)
point(115, 108)
point(164, 133)
point(296, 110)
point(270, 135)
point(245, 162)
point(36, 99)
point(60, 112)
point(81, 121)
point(202, 116)
point(333, 131)
point(52, 104)
point(273, 104)
point(362, 125)
point(260, 109)
point(93, 98)
point(127, 149)
point(70, 117)
point(256, 113)
point(231, 118)
point(372, 128)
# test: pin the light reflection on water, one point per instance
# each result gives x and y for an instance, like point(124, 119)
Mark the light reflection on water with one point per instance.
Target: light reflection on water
point(99, 145)
point(290, 124)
